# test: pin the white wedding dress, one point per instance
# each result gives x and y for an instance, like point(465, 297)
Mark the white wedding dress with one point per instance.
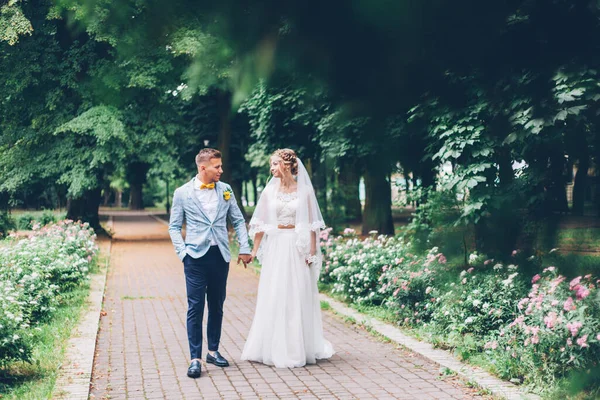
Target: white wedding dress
point(287, 330)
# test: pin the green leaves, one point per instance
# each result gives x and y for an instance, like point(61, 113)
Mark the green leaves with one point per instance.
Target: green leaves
point(13, 24)
point(102, 122)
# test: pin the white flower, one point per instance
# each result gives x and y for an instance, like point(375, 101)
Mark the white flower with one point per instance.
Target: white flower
point(469, 320)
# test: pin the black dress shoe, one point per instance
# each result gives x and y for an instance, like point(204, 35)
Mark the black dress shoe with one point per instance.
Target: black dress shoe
point(194, 369)
point(218, 360)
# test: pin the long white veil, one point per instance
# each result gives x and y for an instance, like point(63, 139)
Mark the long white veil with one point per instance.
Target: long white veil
point(309, 220)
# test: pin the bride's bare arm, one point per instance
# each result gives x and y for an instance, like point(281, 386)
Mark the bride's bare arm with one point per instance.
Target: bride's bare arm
point(313, 243)
point(257, 238)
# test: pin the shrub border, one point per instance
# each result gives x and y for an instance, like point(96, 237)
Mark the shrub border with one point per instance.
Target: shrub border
point(494, 385)
point(74, 379)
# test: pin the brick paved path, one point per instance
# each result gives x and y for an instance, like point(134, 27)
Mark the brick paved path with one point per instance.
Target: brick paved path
point(142, 350)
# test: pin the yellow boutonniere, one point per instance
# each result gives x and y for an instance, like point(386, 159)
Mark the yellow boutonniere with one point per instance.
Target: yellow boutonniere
point(227, 195)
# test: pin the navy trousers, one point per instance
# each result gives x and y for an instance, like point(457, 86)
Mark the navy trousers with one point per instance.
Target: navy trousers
point(205, 278)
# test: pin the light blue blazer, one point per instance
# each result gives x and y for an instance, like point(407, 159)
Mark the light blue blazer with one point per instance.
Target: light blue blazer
point(199, 227)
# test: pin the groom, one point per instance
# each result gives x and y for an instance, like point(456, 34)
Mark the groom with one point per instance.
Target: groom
point(205, 203)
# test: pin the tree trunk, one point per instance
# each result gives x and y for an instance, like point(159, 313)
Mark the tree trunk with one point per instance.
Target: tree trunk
point(85, 208)
point(136, 175)
point(349, 180)
point(118, 198)
point(580, 185)
point(557, 191)
point(106, 192)
point(378, 203)
point(319, 181)
point(167, 196)
point(224, 137)
point(581, 177)
point(415, 186)
point(135, 196)
point(224, 145)
point(427, 174)
point(236, 185)
point(254, 186)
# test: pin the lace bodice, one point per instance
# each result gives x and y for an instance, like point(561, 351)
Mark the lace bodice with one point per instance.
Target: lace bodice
point(286, 206)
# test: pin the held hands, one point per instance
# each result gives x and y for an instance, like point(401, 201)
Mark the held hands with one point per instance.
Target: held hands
point(245, 259)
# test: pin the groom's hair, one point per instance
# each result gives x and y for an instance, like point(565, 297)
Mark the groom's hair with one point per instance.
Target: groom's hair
point(207, 154)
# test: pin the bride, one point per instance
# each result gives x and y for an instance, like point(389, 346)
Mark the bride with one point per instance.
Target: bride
point(287, 330)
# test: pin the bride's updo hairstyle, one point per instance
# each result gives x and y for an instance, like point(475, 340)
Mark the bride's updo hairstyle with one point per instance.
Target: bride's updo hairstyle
point(289, 158)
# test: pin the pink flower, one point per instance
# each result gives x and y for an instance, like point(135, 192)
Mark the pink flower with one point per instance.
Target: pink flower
point(487, 262)
point(464, 281)
point(470, 270)
point(569, 305)
point(535, 278)
point(514, 253)
point(522, 303)
point(598, 337)
point(396, 292)
point(535, 339)
point(582, 341)
point(554, 284)
point(574, 282)
point(550, 320)
point(442, 259)
point(491, 345)
point(573, 327)
point(549, 269)
point(554, 303)
point(581, 292)
point(569, 342)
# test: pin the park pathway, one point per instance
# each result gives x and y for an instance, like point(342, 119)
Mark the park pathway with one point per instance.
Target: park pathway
point(142, 350)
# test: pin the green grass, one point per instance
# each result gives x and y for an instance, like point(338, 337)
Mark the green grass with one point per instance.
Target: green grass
point(36, 380)
point(138, 298)
point(579, 239)
point(573, 264)
point(38, 213)
point(325, 305)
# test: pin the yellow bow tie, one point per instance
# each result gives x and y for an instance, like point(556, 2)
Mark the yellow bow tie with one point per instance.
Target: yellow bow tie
point(207, 186)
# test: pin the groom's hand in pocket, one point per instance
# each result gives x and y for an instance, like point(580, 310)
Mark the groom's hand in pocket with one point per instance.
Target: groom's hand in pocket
point(245, 259)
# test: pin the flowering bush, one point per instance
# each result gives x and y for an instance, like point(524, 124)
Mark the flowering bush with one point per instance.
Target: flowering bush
point(410, 285)
point(556, 328)
point(355, 266)
point(33, 274)
point(483, 299)
point(534, 331)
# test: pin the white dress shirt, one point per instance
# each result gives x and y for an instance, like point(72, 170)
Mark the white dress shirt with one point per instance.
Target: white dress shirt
point(209, 201)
